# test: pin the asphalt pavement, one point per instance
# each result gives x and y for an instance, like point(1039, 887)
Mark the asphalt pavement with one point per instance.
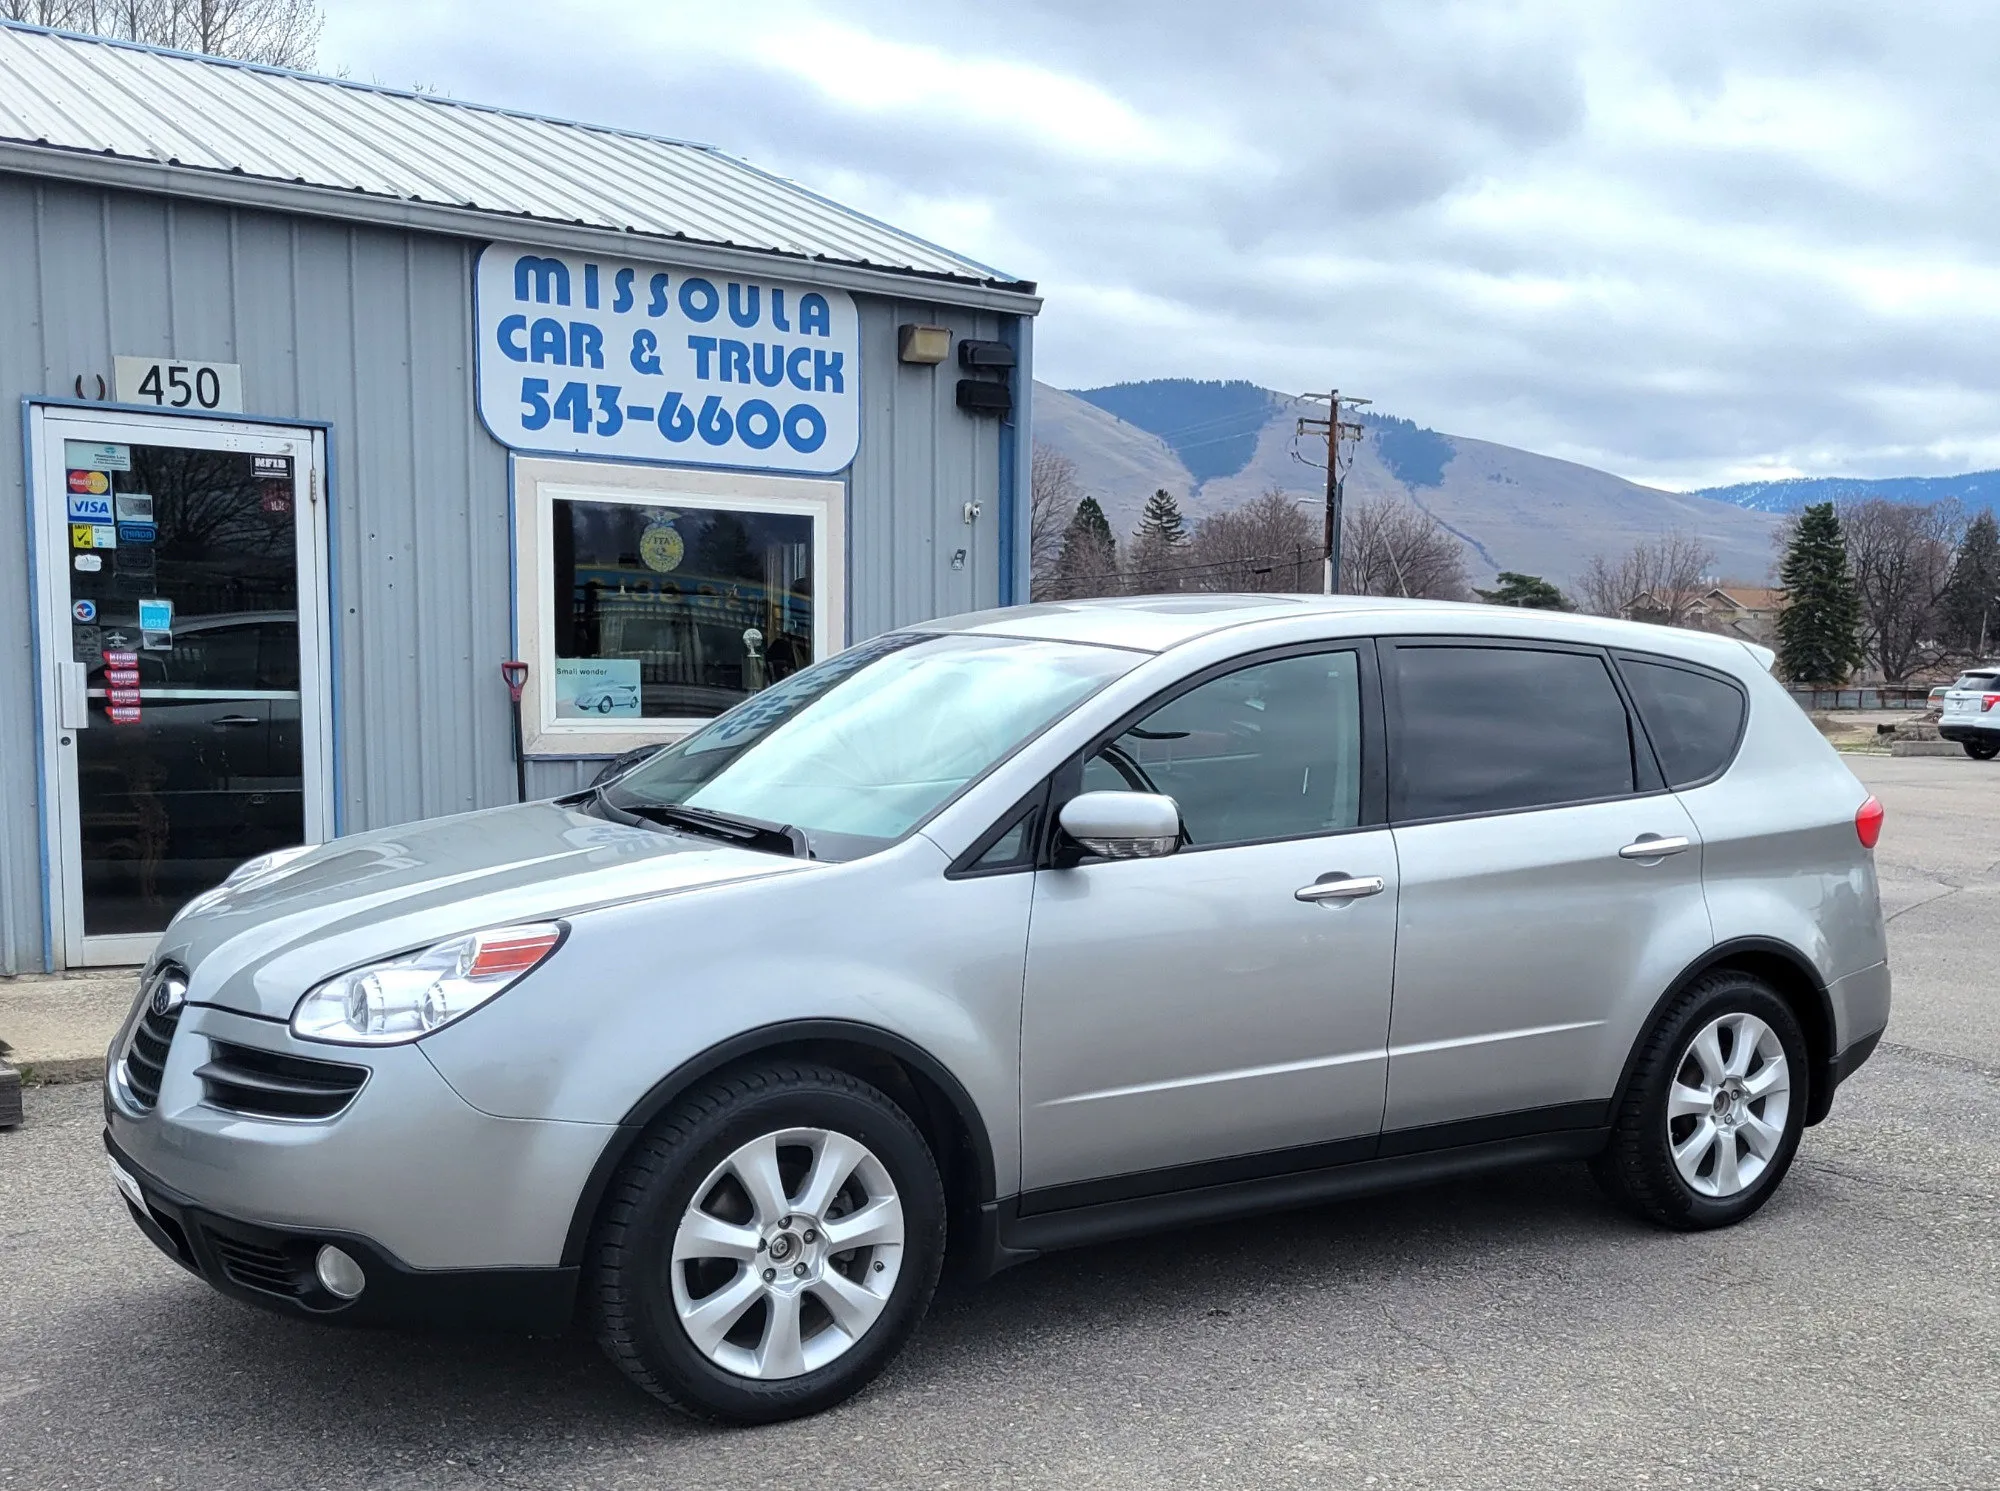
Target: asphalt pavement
point(1508, 1333)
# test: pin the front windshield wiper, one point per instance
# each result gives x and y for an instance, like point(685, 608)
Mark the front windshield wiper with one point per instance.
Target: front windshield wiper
point(751, 833)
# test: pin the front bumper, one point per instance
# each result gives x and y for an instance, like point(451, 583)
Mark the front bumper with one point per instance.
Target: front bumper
point(442, 1204)
point(273, 1268)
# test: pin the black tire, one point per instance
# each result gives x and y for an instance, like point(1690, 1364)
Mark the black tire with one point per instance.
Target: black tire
point(1982, 750)
point(628, 1268)
point(1637, 1167)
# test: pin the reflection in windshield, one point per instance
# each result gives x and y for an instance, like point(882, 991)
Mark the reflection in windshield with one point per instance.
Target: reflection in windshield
point(859, 749)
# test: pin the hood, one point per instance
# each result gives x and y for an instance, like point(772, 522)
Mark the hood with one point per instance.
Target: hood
point(259, 946)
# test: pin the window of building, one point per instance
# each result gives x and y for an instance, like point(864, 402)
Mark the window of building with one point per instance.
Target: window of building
point(654, 600)
point(1487, 729)
point(1270, 751)
point(1694, 719)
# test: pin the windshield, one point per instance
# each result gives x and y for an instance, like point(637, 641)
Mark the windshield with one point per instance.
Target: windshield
point(856, 751)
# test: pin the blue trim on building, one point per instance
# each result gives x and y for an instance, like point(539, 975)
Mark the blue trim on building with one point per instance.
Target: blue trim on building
point(31, 517)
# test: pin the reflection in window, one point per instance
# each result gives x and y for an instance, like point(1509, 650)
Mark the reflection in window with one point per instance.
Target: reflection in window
point(1271, 751)
point(676, 612)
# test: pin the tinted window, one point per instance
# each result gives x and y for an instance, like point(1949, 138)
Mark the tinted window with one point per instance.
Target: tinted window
point(1978, 682)
point(1693, 718)
point(1481, 729)
point(1268, 752)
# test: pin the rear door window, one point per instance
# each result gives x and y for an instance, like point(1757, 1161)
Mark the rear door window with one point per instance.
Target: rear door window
point(1694, 718)
point(1489, 729)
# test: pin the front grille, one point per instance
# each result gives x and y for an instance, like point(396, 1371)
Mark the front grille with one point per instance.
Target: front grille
point(255, 1266)
point(161, 999)
point(265, 1084)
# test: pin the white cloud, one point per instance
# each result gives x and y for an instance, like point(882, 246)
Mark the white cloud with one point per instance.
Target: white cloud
point(1685, 239)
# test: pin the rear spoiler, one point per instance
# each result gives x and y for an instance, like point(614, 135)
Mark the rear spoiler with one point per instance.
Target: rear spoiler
point(1765, 657)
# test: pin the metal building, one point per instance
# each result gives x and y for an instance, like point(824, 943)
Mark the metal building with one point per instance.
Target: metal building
point(333, 398)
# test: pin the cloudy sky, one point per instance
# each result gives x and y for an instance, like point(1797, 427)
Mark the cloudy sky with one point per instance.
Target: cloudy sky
point(1690, 242)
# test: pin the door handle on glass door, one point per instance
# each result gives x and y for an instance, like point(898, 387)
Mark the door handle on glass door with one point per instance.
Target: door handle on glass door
point(1653, 846)
point(235, 719)
point(1339, 887)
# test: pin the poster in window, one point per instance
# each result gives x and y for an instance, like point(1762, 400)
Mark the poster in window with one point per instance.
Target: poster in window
point(597, 688)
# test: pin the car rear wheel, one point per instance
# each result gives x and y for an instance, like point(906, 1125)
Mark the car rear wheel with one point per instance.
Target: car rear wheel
point(769, 1245)
point(1982, 750)
point(1712, 1116)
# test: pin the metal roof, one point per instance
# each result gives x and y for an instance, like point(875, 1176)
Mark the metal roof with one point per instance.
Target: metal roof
point(119, 100)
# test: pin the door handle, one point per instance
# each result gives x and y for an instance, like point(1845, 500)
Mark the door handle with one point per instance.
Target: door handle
point(72, 696)
point(1653, 846)
point(235, 719)
point(1341, 888)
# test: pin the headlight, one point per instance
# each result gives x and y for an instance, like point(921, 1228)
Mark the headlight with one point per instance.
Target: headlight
point(263, 864)
point(404, 998)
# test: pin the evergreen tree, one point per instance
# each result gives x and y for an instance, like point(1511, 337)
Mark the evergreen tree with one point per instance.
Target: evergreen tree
point(1530, 592)
point(1162, 519)
point(1819, 631)
point(1155, 563)
point(1088, 564)
point(1970, 605)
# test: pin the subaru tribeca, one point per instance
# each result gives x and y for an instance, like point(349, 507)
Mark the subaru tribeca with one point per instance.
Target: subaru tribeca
point(1009, 933)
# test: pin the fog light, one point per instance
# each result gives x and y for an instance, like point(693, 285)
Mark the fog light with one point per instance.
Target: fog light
point(340, 1274)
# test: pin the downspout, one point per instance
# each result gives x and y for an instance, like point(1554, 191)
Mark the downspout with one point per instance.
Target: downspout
point(1017, 463)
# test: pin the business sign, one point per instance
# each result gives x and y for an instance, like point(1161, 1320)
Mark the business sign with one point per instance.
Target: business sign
point(598, 357)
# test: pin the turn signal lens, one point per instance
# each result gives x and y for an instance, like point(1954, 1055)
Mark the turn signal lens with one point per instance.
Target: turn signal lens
point(1868, 823)
point(385, 1004)
point(1987, 701)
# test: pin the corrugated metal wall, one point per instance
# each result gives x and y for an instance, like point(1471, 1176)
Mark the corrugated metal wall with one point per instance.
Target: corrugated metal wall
point(370, 329)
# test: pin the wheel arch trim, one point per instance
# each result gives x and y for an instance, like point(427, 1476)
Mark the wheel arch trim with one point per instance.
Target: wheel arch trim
point(1819, 1096)
point(748, 1044)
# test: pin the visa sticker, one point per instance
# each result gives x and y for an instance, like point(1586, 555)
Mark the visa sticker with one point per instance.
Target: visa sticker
point(86, 508)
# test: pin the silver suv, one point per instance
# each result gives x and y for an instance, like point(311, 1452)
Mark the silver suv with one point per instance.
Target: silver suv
point(1024, 930)
point(1970, 713)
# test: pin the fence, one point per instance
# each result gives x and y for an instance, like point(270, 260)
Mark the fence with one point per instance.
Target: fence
point(1883, 696)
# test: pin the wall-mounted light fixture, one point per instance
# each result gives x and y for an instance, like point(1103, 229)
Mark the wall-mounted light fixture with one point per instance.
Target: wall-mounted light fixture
point(922, 344)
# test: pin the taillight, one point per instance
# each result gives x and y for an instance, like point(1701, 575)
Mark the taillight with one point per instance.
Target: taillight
point(1987, 701)
point(1868, 823)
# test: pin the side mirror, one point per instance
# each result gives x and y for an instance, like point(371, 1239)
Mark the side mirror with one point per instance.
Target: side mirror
point(1123, 825)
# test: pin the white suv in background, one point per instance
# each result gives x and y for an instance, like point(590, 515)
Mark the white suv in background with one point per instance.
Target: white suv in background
point(1971, 713)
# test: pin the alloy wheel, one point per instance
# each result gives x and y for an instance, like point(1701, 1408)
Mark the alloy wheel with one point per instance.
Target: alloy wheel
point(788, 1253)
point(1727, 1105)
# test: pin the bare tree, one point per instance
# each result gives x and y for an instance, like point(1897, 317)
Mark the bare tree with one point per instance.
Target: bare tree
point(1267, 543)
point(1390, 546)
point(1053, 493)
point(282, 33)
point(1901, 556)
point(1657, 579)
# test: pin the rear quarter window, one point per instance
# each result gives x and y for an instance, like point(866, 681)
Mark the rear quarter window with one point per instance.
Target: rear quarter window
point(1695, 718)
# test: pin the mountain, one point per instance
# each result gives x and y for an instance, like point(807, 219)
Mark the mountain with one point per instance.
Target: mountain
point(1214, 445)
point(1976, 489)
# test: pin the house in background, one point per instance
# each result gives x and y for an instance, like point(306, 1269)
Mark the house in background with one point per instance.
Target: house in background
point(1746, 611)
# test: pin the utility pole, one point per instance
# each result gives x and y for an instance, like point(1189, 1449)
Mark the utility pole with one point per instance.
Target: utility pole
point(1337, 431)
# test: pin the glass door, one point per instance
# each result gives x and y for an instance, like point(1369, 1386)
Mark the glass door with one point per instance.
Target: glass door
point(183, 649)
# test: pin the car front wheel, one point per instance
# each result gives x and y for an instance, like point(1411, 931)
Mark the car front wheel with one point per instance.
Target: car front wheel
point(769, 1245)
point(1712, 1116)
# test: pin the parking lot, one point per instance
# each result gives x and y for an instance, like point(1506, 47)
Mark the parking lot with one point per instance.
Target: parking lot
point(1507, 1333)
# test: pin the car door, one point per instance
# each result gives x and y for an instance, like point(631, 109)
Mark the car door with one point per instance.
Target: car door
point(1188, 1019)
point(1538, 923)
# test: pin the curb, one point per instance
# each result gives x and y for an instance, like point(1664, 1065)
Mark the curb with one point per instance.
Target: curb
point(61, 1070)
